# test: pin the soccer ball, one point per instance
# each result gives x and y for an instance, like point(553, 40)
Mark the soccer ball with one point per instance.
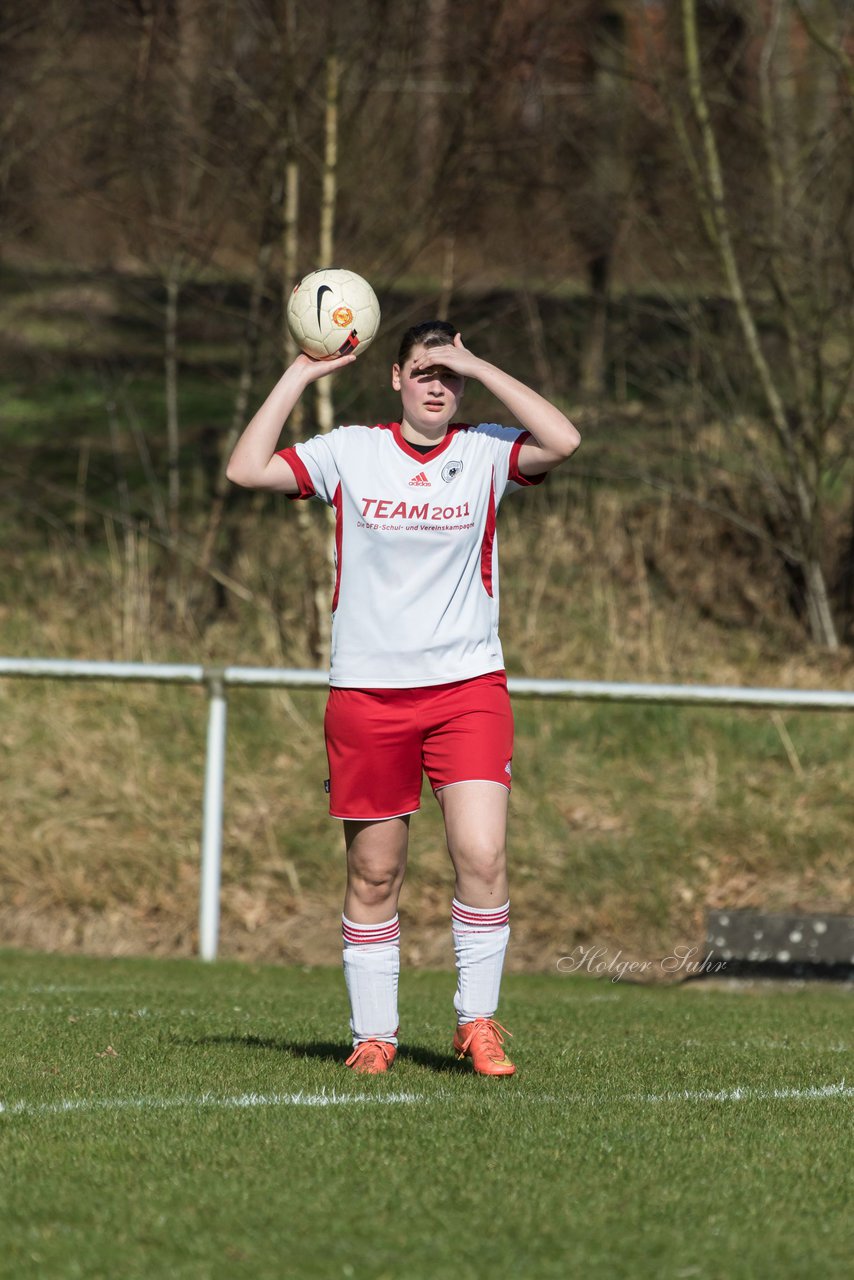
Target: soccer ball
point(332, 313)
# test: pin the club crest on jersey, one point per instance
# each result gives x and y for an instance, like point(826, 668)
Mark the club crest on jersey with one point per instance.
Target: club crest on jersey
point(420, 481)
point(451, 470)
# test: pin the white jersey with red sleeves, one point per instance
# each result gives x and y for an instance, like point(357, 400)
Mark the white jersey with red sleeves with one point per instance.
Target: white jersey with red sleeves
point(416, 570)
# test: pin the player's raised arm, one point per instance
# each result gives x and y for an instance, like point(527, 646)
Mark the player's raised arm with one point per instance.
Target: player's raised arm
point(254, 463)
point(555, 438)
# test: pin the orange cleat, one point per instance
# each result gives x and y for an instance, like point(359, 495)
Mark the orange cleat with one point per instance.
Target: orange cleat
point(371, 1057)
point(483, 1042)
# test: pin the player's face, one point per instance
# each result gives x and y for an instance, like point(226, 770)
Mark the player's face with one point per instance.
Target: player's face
point(431, 396)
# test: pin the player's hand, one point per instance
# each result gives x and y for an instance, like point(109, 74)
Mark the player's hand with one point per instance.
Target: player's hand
point(453, 356)
point(312, 370)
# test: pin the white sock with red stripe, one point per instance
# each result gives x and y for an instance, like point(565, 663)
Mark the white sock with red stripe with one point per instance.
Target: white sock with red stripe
point(481, 935)
point(371, 971)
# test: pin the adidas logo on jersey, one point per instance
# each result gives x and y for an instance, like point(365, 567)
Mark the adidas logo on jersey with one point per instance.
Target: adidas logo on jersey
point(420, 481)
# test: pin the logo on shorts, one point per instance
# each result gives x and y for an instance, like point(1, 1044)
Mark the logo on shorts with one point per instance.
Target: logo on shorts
point(326, 785)
point(451, 470)
point(507, 769)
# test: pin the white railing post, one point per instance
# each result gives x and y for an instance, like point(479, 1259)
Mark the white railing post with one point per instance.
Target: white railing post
point(212, 816)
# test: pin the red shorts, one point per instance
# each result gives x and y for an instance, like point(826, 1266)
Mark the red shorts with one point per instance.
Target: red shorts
point(379, 740)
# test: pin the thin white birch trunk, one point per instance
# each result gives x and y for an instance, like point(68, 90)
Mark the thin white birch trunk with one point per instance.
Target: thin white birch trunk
point(819, 611)
point(313, 542)
point(326, 246)
point(170, 360)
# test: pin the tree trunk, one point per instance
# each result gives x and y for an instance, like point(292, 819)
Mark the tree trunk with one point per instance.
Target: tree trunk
point(313, 545)
point(449, 244)
point(325, 407)
point(326, 246)
point(434, 68)
point(173, 462)
point(607, 176)
point(539, 345)
point(805, 518)
point(249, 353)
point(592, 377)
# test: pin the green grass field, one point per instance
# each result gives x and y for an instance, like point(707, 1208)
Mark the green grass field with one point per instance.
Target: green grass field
point(165, 1118)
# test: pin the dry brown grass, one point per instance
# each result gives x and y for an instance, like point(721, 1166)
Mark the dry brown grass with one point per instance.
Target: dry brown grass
point(623, 845)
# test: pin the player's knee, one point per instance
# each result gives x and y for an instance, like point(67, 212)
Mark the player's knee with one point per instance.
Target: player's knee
point(374, 885)
point(485, 861)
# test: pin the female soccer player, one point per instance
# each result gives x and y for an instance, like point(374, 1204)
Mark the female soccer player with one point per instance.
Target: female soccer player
point(417, 676)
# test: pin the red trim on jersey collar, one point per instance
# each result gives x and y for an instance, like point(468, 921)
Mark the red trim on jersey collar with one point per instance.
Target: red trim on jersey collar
point(394, 428)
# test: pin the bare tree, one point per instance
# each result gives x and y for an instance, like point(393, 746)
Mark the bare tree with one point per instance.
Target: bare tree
point(786, 262)
point(329, 193)
point(603, 163)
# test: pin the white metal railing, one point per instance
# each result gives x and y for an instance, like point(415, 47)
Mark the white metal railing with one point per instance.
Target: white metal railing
point(218, 679)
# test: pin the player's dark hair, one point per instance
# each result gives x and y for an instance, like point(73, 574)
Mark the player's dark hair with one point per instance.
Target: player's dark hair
point(431, 333)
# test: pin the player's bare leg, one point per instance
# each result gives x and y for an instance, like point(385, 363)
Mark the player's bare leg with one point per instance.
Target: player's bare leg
point(475, 816)
point(376, 865)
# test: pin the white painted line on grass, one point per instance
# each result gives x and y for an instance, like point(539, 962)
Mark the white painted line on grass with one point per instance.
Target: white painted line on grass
point(746, 1093)
point(330, 1098)
point(59, 988)
point(749, 1094)
point(206, 1100)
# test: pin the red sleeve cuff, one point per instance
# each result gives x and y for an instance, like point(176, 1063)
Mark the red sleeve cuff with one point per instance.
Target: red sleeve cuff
point(303, 479)
point(515, 474)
